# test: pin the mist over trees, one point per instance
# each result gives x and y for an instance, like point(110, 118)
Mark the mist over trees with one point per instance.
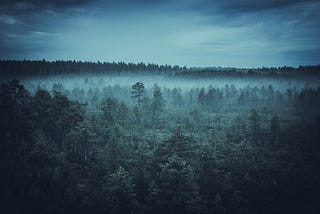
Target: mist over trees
point(135, 148)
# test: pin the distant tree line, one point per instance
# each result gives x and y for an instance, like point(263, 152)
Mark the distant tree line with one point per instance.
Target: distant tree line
point(27, 68)
point(17, 68)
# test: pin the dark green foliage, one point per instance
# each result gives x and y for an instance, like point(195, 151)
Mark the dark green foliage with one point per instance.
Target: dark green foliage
point(178, 187)
point(119, 191)
point(14, 68)
point(275, 129)
point(15, 112)
point(202, 97)
point(157, 104)
point(79, 139)
point(137, 91)
point(214, 150)
point(109, 108)
point(254, 123)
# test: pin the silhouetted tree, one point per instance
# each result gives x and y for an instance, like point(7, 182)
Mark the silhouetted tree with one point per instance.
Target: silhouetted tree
point(157, 103)
point(137, 91)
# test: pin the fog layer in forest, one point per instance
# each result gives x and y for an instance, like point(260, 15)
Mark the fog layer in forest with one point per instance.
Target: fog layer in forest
point(160, 143)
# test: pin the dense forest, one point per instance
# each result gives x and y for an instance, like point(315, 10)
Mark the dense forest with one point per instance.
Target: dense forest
point(25, 68)
point(97, 147)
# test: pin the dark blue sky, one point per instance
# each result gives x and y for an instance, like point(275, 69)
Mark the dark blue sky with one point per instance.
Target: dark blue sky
point(240, 33)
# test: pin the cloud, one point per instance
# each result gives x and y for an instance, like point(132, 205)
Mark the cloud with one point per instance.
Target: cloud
point(185, 32)
point(244, 6)
point(7, 19)
point(58, 3)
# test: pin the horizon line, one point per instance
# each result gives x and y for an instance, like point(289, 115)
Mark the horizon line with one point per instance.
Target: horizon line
point(152, 63)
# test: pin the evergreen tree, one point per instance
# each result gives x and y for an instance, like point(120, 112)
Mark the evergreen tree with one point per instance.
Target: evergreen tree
point(81, 140)
point(275, 128)
point(137, 91)
point(119, 191)
point(69, 113)
point(202, 97)
point(141, 161)
point(254, 123)
point(157, 103)
point(123, 114)
point(16, 113)
point(43, 105)
point(109, 109)
point(178, 187)
point(181, 144)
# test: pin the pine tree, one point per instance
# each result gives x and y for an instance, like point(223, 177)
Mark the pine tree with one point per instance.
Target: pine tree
point(123, 114)
point(109, 109)
point(255, 123)
point(178, 187)
point(16, 112)
point(181, 144)
point(202, 97)
point(119, 191)
point(157, 103)
point(137, 91)
point(81, 139)
point(42, 104)
point(68, 113)
point(274, 128)
point(142, 174)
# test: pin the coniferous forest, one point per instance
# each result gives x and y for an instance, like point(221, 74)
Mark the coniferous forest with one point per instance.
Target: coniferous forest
point(117, 138)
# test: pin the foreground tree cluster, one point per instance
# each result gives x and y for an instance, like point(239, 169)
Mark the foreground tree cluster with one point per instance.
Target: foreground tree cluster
point(207, 150)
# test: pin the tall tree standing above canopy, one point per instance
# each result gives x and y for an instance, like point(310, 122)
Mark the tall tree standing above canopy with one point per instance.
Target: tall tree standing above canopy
point(137, 91)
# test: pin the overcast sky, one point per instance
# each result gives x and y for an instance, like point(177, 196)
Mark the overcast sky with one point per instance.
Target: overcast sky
point(234, 33)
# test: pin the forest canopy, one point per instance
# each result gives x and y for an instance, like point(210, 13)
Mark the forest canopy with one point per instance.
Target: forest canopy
point(25, 68)
point(137, 149)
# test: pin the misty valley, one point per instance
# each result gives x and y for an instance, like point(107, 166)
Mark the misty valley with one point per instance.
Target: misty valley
point(134, 138)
